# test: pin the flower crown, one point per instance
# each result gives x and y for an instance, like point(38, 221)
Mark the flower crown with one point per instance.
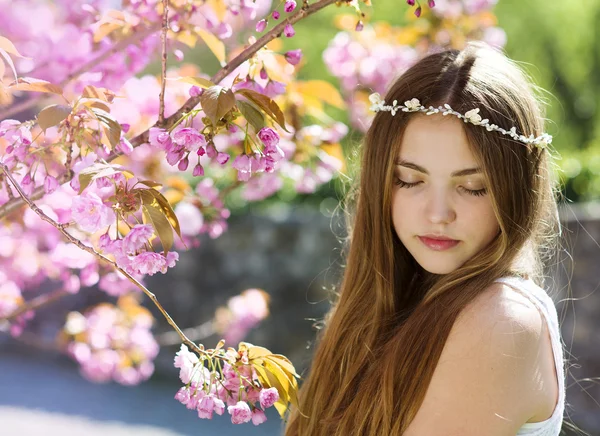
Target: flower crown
point(472, 116)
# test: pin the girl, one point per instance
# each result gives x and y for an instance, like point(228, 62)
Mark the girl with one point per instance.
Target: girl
point(442, 326)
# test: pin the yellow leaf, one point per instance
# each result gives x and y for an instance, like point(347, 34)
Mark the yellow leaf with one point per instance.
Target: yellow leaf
point(52, 115)
point(167, 210)
point(105, 29)
point(111, 127)
point(266, 104)
point(255, 352)
point(322, 90)
point(154, 215)
point(35, 85)
point(198, 81)
point(186, 38)
point(9, 47)
point(103, 94)
point(284, 381)
point(285, 363)
point(218, 7)
point(214, 44)
point(281, 408)
point(9, 62)
point(216, 101)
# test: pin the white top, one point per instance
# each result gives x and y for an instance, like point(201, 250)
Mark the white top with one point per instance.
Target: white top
point(552, 425)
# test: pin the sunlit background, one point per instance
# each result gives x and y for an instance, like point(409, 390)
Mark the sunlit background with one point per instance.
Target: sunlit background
point(269, 277)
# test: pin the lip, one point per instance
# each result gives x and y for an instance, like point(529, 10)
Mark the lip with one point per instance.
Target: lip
point(438, 242)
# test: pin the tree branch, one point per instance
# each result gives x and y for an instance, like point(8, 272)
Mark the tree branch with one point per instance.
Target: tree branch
point(91, 250)
point(192, 102)
point(163, 73)
point(36, 303)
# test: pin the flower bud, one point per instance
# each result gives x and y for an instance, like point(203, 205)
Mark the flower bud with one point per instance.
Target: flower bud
point(431, 3)
point(418, 12)
point(290, 5)
point(275, 15)
point(261, 25)
point(289, 31)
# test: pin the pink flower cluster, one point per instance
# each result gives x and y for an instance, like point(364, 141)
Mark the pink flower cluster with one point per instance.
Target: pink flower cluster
point(242, 313)
point(236, 387)
point(131, 255)
point(113, 342)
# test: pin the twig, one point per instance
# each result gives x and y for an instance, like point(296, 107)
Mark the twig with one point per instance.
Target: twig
point(36, 303)
point(196, 333)
point(192, 102)
point(30, 102)
point(91, 250)
point(163, 73)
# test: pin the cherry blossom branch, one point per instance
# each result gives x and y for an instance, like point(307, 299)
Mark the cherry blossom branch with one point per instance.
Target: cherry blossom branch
point(192, 102)
point(119, 46)
point(81, 245)
point(163, 72)
point(36, 303)
point(196, 333)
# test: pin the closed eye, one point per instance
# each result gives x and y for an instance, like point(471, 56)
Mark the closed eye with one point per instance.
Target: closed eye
point(474, 192)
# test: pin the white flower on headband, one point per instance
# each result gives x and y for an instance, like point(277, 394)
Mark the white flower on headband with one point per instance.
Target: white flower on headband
point(472, 116)
point(377, 105)
point(412, 105)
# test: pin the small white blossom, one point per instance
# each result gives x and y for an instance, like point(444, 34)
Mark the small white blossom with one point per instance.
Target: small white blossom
point(412, 105)
point(377, 102)
point(473, 116)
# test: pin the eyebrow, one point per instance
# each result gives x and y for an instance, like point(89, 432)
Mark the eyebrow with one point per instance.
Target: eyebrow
point(460, 173)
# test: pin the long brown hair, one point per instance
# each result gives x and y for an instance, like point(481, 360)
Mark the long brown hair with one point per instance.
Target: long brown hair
point(384, 335)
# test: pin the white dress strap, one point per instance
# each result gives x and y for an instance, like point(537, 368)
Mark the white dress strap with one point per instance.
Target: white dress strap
point(545, 304)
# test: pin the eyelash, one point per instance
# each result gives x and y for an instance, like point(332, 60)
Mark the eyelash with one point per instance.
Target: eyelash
point(476, 193)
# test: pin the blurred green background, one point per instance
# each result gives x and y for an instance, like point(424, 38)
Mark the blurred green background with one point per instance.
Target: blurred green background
point(557, 43)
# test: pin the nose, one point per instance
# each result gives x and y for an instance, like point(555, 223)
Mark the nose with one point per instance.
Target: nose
point(439, 208)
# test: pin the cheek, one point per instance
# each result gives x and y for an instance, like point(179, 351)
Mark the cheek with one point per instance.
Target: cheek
point(482, 220)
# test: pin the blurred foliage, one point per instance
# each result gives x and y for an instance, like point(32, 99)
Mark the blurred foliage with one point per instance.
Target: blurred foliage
point(555, 42)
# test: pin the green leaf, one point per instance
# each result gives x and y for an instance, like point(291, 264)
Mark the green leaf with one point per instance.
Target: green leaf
point(216, 101)
point(52, 115)
point(252, 115)
point(266, 104)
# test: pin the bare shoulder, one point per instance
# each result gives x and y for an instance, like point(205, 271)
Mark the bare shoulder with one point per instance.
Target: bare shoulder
point(484, 380)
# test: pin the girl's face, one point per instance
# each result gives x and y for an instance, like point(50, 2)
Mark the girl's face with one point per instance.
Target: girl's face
point(441, 209)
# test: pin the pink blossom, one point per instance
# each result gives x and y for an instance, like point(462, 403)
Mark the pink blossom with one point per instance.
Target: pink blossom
point(258, 417)
point(183, 164)
point(183, 395)
point(268, 397)
point(290, 5)
point(222, 158)
point(189, 138)
point(261, 26)
point(206, 406)
point(148, 263)
point(198, 171)
point(240, 413)
point(289, 31)
point(359, 26)
point(159, 138)
point(294, 56)
point(186, 361)
point(219, 406)
point(274, 88)
point(90, 213)
point(137, 237)
point(50, 184)
point(195, 91)
point(269, 137)
point(190, 218)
